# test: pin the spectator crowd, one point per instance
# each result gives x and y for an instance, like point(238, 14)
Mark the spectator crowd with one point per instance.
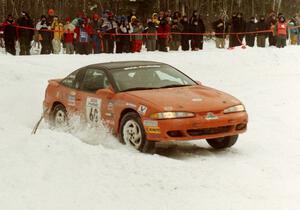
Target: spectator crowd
point(109, 33)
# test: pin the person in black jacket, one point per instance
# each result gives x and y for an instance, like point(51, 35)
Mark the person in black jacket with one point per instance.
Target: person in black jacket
point(220, 28)
point(125, 28)
point(261, 36)
point(271, 22)
point(185, 38)
point(201, 30)
point(10, 35)
point(151, 36)
point(238, 26)
point(251, 32)
point(45, 36)
point(175, 39)
point(195, 39)
point(25, 35)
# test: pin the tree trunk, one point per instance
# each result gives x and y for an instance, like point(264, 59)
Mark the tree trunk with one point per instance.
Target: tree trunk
point(231, 7)
point(279, 6)
point(274, 5)
point(3, 9)
point(253, 8)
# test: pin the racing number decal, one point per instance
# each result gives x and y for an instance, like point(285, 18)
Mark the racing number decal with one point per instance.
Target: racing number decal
point(93, 116)
point(93, 113)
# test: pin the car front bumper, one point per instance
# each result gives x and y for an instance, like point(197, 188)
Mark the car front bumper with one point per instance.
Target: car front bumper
point(196, 128)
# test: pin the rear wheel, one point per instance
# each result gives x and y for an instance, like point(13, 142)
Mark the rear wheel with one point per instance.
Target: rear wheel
point(132, 133)
point(223, 142)
point(59, 117)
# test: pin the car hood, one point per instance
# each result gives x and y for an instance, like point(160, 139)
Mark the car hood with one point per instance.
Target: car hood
point(191, 98)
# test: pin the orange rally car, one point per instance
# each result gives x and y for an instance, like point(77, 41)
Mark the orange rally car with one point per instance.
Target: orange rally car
point(144, 102)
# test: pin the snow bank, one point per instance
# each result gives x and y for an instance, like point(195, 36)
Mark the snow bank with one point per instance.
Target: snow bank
point(55, 170)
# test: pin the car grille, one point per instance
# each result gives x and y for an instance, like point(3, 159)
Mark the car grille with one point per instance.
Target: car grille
point(209, 131)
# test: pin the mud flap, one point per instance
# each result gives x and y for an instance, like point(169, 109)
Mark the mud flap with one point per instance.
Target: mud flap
point(34, 130)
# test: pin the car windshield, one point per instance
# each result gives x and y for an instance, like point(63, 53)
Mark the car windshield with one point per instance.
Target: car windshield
point(149, 77)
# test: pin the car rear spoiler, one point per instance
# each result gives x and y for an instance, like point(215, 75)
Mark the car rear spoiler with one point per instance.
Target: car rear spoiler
point(54, 82)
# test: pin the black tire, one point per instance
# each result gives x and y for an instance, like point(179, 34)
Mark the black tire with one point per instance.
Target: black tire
point(59, 111)
point(223, 142)
point(132, 132)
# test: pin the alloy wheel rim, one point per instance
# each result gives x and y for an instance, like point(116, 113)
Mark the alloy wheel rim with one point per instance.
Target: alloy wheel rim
point(132, 133)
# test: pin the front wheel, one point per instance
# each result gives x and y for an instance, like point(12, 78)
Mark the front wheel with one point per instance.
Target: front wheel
point(132, 133)
point(223, 142)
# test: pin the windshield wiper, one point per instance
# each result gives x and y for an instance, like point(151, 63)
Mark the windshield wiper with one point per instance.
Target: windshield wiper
point(174, 85)
point(139, 88)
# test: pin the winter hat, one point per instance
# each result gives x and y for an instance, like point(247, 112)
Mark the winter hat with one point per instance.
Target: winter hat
point(110, 14)
point(80, 14)
point(96, 16)
point(123, 18)
point(68, 19)
point(51, 12)
point(133, 18)
point(9, 18)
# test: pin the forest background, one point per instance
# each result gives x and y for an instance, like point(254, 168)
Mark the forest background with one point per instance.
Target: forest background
point(209, 10)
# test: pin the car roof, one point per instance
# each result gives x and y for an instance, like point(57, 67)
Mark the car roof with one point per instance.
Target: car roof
point(125, 64)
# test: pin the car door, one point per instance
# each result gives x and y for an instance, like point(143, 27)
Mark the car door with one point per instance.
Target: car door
point(94, 107)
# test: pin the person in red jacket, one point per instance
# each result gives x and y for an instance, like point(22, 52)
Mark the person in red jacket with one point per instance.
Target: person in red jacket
point(69, 36)
point(281, 32)
point(10, 34)
point(83, 37)
point(163, 35)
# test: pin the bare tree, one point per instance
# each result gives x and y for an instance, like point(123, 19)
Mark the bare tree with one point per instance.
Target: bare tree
point(208, 8)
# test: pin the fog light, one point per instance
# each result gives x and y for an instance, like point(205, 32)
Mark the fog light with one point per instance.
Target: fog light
point(241, 126)
point(175, 133)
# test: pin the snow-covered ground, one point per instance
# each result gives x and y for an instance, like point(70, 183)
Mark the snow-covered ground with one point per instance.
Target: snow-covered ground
point(89, 169)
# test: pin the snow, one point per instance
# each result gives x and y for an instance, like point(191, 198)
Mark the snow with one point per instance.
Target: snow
point(90, 169)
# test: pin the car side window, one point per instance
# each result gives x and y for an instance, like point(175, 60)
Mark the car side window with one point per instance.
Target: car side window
point(69, 81)
point(94, 80)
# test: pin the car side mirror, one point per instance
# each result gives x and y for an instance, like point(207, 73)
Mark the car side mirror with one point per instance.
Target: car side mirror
point(106, 92)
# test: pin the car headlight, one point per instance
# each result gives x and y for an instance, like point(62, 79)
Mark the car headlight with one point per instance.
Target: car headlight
point(237, 108)
point(171, 115)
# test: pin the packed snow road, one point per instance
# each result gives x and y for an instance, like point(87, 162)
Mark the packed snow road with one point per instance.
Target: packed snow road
point(89, 169)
